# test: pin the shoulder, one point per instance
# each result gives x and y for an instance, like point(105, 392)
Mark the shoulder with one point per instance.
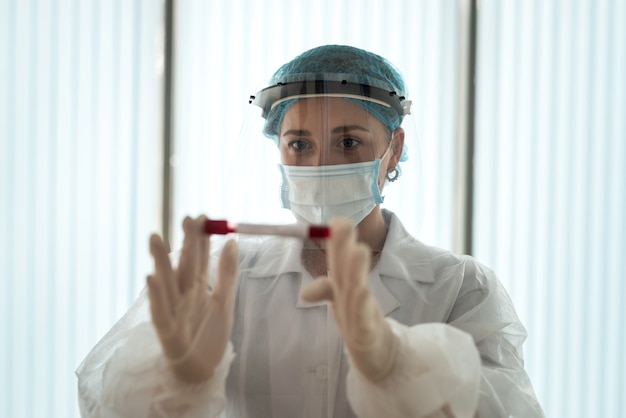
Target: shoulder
point(442, 264)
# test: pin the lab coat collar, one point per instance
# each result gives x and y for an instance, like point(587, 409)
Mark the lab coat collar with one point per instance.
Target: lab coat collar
point(280, 255)
point(403, 257)
point(388, 302)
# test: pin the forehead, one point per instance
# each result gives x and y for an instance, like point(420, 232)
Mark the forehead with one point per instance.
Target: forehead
point(324, 113)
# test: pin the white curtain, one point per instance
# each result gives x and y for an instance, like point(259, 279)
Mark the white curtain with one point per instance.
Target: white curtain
point(79, 157)
point(551, 190)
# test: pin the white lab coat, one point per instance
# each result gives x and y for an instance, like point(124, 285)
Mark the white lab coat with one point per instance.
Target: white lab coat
point(461, 346)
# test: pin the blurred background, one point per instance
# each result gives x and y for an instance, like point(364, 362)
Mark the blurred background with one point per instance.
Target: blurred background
point(107, 135)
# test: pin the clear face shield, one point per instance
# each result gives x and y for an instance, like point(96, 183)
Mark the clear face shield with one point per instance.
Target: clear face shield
point(316, 148)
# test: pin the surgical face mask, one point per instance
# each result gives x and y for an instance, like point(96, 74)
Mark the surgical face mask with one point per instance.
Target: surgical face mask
point(316, 194)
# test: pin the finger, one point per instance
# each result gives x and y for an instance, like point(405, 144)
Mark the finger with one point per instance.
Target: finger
point(227, 271)
point(341, 237)
point(364, 317)
point(163, 267)
point(205, 250)
point(360, 264)
point(356, 280)
point(160, 306)
point(352, 282)
point(318, 290)
point(189, 257)
point(351, 260)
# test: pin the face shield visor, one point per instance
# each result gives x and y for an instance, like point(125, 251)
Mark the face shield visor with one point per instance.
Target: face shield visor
point(318, 146)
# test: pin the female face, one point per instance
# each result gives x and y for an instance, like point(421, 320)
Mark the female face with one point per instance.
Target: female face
point(329, 131)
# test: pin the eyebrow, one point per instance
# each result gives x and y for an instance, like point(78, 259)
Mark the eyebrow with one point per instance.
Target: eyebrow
point(337, 130)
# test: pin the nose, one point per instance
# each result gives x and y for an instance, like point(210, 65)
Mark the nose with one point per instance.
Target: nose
point(318, 158)
point(321, 155)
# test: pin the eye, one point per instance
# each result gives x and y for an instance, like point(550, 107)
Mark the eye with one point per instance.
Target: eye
point(349, 143)
point(298, 145)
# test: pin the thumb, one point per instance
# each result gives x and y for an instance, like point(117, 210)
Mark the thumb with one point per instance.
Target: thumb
point(318, 290)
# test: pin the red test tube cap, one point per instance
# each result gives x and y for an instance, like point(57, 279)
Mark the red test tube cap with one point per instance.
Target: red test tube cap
point(215, 226)
point(319, 231)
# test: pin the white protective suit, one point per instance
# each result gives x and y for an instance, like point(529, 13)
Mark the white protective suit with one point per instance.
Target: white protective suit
point(287, 358)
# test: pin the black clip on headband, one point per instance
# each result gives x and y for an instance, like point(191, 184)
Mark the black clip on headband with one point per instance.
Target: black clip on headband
point(270, 97)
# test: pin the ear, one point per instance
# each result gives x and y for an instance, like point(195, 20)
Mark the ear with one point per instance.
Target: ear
point(397, 146)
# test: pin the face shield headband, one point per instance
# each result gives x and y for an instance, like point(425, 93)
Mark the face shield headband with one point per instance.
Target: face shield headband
point(270, 97)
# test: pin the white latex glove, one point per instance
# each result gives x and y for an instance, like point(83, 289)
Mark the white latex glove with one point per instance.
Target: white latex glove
point(368, 337)
point(193, 324)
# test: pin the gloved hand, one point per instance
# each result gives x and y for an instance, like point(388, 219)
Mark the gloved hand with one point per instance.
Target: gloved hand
point(193, 324)
point(368, 337)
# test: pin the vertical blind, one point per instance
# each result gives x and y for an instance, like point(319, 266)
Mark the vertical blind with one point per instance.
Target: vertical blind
point(79, 154)
point(551, 190)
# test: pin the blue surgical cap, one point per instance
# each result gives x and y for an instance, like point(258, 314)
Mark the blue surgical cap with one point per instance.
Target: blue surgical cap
point(340, 62)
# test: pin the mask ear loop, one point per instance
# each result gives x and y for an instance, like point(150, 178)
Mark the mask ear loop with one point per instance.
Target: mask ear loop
point(382, 157)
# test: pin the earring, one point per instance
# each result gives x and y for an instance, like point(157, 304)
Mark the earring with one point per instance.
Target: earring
point(394, 177)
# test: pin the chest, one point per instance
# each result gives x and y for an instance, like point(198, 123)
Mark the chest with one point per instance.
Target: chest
point(290, 359)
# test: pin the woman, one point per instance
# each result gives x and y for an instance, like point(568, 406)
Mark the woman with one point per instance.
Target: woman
point(368, 323)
